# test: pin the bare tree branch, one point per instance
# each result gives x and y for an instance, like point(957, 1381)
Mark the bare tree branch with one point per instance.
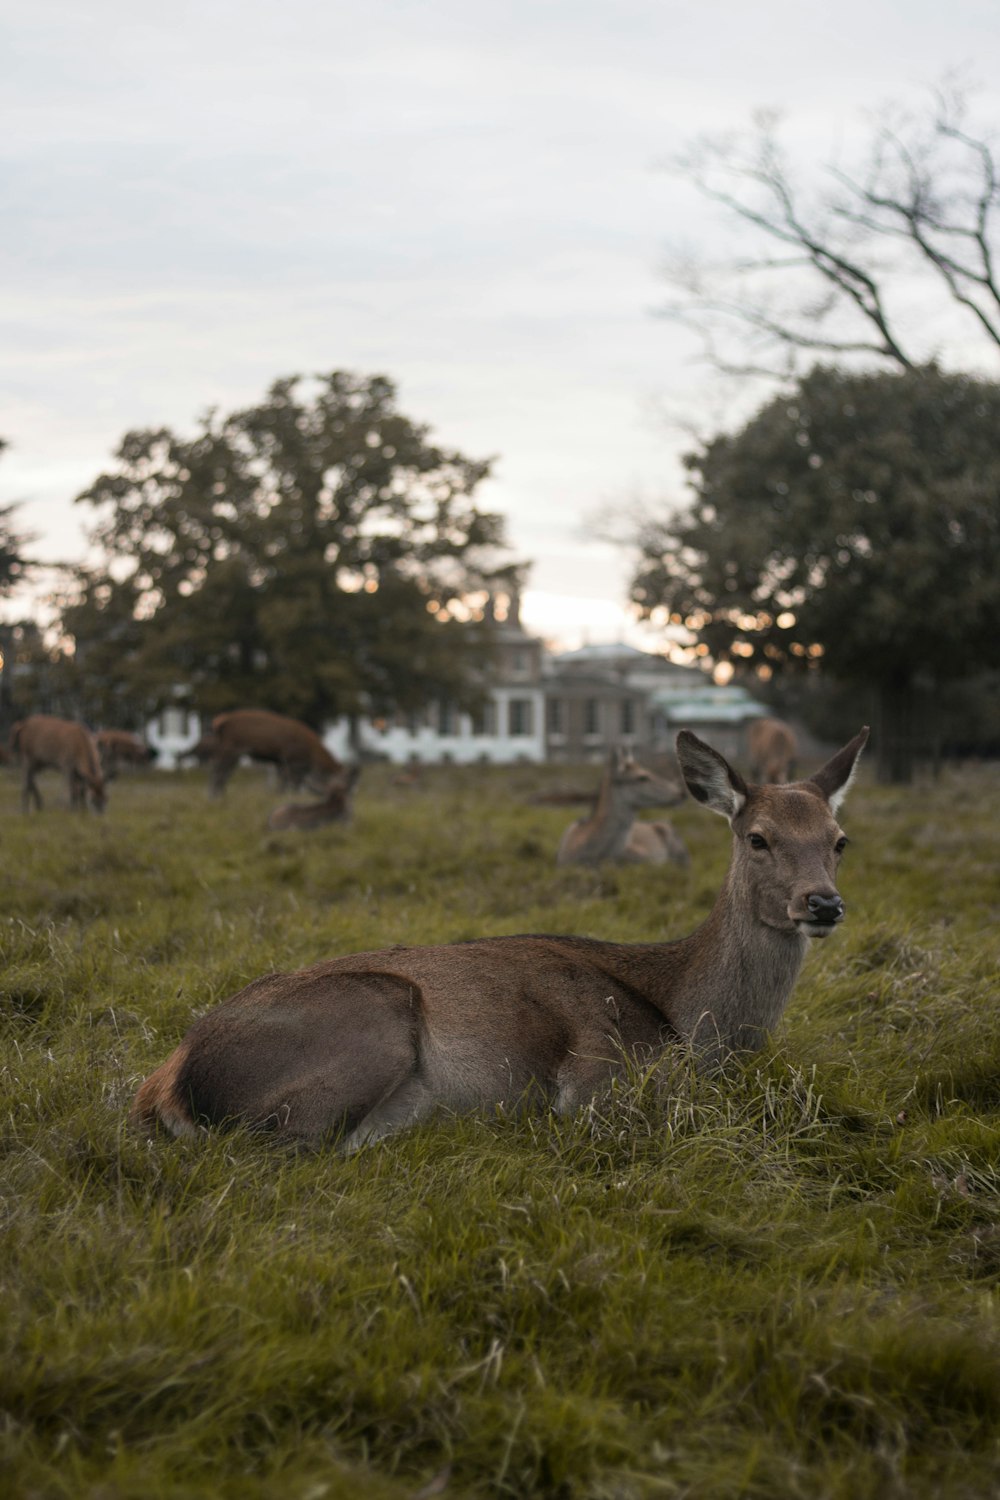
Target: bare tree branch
point(931, 190)
point(908, 210)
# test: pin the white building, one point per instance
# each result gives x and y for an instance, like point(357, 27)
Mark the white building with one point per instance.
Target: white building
point(541, 706)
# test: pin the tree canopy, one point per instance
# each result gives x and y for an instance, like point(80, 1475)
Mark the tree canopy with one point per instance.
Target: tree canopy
point(13, 562)
point(311, 553)
point(854, 522)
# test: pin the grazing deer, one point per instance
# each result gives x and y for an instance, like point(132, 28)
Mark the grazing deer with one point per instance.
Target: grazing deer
point(612, 833)
point(773, 748)
point(116, 748)
point(364, 1045)
point(298, 752)
point(334, 808)
point(43, 743)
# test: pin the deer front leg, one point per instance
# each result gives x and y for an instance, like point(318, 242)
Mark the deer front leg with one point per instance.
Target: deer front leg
point(586, 1071)
point(219, 773)
point(30, 791)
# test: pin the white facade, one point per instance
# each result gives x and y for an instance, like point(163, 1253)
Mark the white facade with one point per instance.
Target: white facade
point(173, 731)
point(510, 729)
point(572, 706)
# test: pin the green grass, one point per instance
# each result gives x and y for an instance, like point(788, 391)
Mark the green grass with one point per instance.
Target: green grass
point(782, 1282)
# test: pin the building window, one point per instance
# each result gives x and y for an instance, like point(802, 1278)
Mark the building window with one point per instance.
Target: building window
point(484, 719)
point(628, 717)
point(519, 717)
point(591, 716)
point(555, 716)
point(447, 718)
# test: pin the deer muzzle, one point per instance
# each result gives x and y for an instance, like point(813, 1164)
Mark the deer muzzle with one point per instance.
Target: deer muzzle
point(824, 913)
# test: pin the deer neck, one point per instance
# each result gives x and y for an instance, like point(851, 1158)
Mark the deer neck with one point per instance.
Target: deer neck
point(726, 985)
point(736, 975)
point(608, 826)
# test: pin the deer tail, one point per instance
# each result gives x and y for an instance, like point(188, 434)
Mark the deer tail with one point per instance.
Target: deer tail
point(159, 1101)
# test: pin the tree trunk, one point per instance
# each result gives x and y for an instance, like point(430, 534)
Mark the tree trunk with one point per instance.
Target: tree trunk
point(895, 732)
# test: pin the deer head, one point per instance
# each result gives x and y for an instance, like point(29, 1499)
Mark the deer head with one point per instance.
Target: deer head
point(787, 842)
point(634, 786)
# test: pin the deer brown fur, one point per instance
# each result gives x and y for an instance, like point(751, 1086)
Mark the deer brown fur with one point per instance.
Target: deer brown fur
point(611, 833)
point(298, 752)
point(47, 743)
point(335, 807)
point(117, 748)
point(363, 1045)
point(773, 748)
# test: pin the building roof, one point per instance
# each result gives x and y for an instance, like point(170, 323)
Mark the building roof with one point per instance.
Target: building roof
point(708, 705)
point(605, 651)
point(596, 683)
point(647, 667)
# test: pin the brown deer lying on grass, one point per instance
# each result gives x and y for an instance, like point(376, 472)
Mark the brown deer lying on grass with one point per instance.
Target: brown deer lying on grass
point(611, 832)
point(334, 808)
point(298, 752)
point(43, 742)
point(116, 748)
point(364, 1045)
point(773, 748)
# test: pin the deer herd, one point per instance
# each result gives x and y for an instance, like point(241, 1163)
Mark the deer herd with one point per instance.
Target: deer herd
point(365, 1044)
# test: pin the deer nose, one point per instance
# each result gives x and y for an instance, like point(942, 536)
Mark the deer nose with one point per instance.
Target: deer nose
point(825, 909)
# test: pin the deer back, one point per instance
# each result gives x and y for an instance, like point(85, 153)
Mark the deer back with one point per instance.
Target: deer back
point(264, 735)
point(335, 807)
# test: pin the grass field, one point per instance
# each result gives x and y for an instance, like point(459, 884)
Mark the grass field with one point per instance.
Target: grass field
point(781, 1283)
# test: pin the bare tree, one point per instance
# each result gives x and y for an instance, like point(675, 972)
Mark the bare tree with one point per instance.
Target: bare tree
point(853, 268)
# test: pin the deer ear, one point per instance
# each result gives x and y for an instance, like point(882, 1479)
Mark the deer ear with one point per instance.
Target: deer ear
point(834, 779)
point(710, 779)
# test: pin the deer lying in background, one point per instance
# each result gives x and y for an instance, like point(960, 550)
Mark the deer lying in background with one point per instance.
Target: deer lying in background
point(773, 748)
point(364, 1045)
point(611, 832)
point(117, 748)
point(411, 776)
point(334, 808)
point(298, 752)
point(43, 742)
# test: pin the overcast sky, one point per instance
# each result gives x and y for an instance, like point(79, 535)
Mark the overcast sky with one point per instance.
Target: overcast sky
point(201, 198)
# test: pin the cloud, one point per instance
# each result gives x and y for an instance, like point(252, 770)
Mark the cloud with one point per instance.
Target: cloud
point(202, 198)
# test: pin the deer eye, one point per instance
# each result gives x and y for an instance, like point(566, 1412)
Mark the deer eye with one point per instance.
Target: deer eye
point(841, 844)
point(758, 841)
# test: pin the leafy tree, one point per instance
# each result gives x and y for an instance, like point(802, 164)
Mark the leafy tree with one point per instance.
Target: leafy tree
point(857, 260)
point(13, 563)
point(854, 523)
point(14, 567)
point(310, 553)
